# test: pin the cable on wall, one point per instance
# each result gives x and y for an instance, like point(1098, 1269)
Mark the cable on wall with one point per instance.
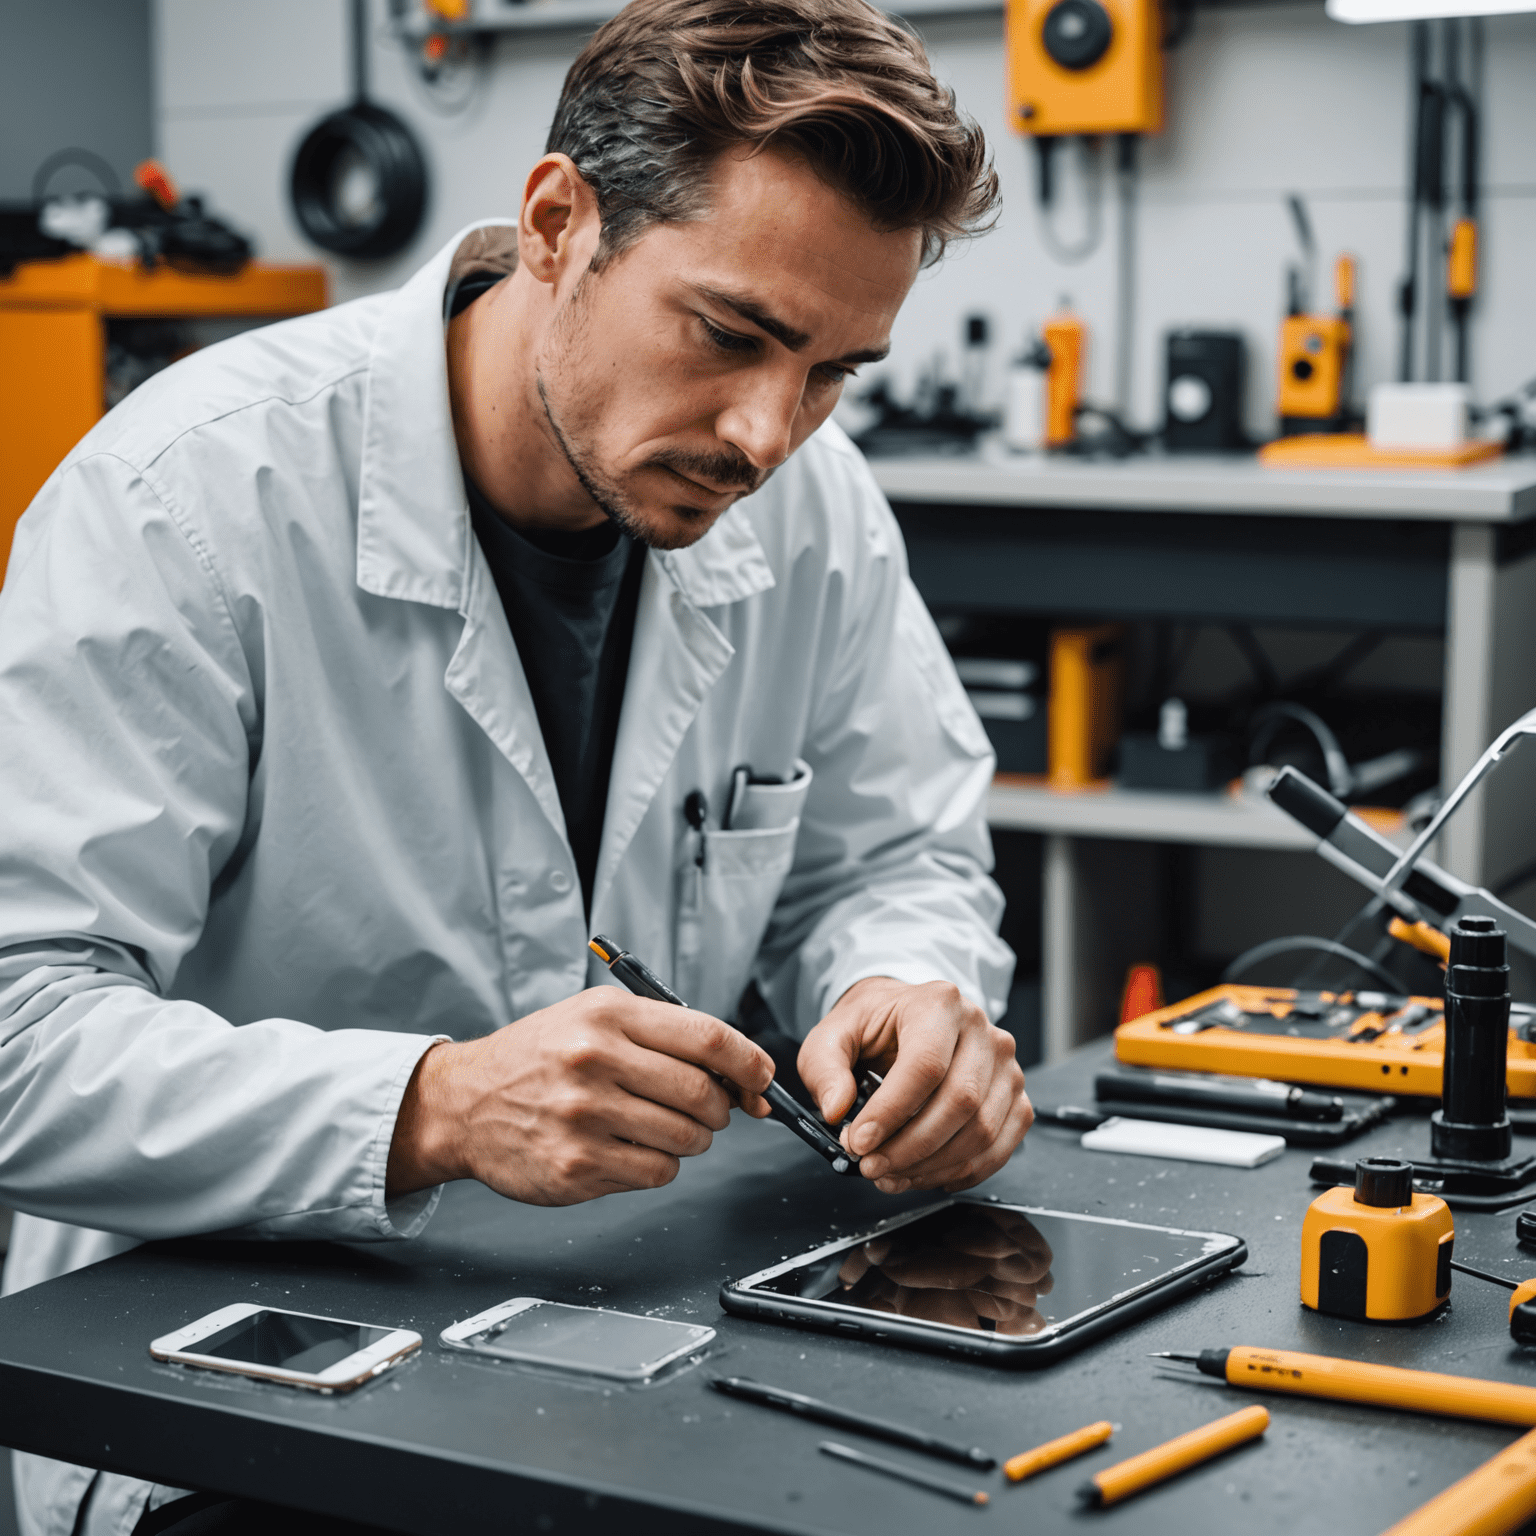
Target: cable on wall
point(359, 181)
point(1070, 253)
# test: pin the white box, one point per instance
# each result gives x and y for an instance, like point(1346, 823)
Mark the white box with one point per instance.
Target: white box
point(1425, 416)
point(1184, 1143)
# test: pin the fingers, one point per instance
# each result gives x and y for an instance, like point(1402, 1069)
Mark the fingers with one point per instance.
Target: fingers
point(962, 1093)
point(672, 1084)
point(663, 1130)
point(973, 1139)
point(826, 1061)
point(626, 1167)
point(757, 1107)
point(694, 1037)
point(924, 1057)
point(576, 1171)
point(973, 1170)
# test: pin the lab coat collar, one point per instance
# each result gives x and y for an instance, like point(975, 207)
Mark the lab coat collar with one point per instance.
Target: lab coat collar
point(413, 531)
point(726, 565)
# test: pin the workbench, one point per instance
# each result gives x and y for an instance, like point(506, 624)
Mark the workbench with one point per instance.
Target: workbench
point(451, 1444)
point(1224, 539)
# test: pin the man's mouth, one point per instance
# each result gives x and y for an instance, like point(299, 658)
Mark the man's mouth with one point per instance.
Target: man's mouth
point(703, 485)
point(714, 478)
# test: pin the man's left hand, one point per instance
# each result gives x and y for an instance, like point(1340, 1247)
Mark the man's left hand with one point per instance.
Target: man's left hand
point(952, 1107)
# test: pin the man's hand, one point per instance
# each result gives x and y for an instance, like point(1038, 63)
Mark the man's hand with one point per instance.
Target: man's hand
point(599, 1093)
point(952, 1108)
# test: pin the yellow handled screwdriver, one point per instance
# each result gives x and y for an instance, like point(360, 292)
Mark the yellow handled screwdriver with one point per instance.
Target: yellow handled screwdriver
point(1353, 1381)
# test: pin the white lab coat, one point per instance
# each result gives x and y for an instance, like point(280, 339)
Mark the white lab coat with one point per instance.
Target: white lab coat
point(275, 811)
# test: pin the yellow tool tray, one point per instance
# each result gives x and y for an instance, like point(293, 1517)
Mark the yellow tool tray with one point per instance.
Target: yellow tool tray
point(1332, 1040)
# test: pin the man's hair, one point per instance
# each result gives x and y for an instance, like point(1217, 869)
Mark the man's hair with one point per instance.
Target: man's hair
point(667, 85)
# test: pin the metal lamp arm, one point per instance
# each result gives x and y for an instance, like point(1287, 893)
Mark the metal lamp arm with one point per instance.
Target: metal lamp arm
point(1506, 739)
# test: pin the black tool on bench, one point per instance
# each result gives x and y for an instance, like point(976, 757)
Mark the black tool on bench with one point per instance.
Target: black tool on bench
point(1469, 1162)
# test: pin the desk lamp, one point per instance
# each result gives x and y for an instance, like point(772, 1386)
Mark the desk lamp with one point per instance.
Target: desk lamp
point(1503, 745)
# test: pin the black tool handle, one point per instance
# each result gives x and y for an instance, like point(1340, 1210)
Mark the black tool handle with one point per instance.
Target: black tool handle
point(848, 1418)
point(785, 1108)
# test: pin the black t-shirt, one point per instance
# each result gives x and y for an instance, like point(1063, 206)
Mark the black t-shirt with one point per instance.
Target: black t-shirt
point(570, 600)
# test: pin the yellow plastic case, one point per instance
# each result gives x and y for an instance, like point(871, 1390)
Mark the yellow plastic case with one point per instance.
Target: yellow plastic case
point(1399, 1064)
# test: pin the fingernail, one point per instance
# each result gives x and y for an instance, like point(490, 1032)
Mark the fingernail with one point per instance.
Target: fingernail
point(888, 1186)
point(874, 1167)
point(867, 1138)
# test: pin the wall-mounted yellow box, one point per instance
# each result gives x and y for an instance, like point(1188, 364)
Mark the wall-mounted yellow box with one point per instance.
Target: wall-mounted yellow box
point(1085, 66)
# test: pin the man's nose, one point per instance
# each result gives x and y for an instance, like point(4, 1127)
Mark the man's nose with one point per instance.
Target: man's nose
point(759, 420)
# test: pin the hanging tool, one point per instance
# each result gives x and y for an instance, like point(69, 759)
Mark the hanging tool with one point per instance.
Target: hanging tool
point(1439, 100)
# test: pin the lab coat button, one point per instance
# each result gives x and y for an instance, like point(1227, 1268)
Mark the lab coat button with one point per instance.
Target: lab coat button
point(559, 882)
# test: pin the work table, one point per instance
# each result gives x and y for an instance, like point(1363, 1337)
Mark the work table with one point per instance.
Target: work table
point(1503, 491)
point(447, 1443)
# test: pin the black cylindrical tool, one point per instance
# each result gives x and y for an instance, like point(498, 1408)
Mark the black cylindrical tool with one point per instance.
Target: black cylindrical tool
point(1471, 1124)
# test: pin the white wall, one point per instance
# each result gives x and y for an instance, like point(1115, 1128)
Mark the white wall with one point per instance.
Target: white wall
point(73, 74)
point(1262, 101)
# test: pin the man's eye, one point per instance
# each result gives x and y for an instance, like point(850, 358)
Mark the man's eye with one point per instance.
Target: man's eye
point(727, 341)
point(831, 373)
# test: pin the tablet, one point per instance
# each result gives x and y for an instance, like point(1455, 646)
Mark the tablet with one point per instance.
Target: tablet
point(1011, 1284)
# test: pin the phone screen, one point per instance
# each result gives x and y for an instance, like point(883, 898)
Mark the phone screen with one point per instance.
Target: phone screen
point(289, 1342)
point(586, 1338)
point(991, 1268)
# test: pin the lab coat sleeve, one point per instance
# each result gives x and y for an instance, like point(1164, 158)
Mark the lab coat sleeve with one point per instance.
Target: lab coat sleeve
point(129, 725)
point(891, 871)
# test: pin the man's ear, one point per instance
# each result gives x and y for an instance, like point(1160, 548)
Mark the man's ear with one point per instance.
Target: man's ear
point(559, 227)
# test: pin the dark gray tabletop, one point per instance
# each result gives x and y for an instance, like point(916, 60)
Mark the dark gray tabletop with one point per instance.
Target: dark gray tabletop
point(449, 1444)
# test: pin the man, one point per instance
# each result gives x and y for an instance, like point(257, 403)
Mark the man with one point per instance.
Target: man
point(349, 680)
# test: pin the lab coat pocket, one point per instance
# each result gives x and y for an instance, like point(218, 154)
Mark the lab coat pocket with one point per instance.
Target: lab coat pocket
point(729, 887)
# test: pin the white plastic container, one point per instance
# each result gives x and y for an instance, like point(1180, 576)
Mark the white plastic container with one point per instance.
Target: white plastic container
point(1024, 409)
point(1424, 416)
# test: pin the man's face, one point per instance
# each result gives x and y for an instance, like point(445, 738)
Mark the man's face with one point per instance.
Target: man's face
point(680, 376)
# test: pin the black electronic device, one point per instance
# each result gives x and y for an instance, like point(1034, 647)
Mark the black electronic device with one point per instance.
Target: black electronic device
point(1002, 662)
point(1009, 1284)
point(1203, 392)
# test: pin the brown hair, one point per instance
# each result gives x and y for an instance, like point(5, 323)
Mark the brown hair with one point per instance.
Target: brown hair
point(667, 85)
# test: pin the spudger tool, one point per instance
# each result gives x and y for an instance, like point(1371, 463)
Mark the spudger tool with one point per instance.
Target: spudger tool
point(848, 1418)
point(782, 1104)
point(903, 1474)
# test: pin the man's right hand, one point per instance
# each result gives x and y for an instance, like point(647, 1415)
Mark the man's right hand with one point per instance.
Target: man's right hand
point(599, 1093)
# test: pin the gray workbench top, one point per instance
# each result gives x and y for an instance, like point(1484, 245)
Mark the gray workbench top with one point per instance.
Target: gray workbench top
point(1503, 491)
point(456, 1445)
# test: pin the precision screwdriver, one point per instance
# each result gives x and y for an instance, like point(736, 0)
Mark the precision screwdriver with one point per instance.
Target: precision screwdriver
point(782, 1104)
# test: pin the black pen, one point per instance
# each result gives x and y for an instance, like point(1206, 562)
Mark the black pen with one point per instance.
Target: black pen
point(848, 1418)
point(785, 1108)
point(1253, 1096)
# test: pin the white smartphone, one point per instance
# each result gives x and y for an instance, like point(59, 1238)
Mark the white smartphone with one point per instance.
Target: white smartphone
point(618, 1345)
point(298, 1349)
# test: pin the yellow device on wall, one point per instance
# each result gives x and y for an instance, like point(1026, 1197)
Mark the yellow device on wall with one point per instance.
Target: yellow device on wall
point(1085, 66)
point(1366, 1041)
point(1314, 362)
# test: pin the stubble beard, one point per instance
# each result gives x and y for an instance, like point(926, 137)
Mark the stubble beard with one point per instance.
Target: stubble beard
point(610, 498)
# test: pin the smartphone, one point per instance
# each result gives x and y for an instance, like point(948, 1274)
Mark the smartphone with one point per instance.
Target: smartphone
point(1011, 1284)
point(617, 1345)
point(297, 1349)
